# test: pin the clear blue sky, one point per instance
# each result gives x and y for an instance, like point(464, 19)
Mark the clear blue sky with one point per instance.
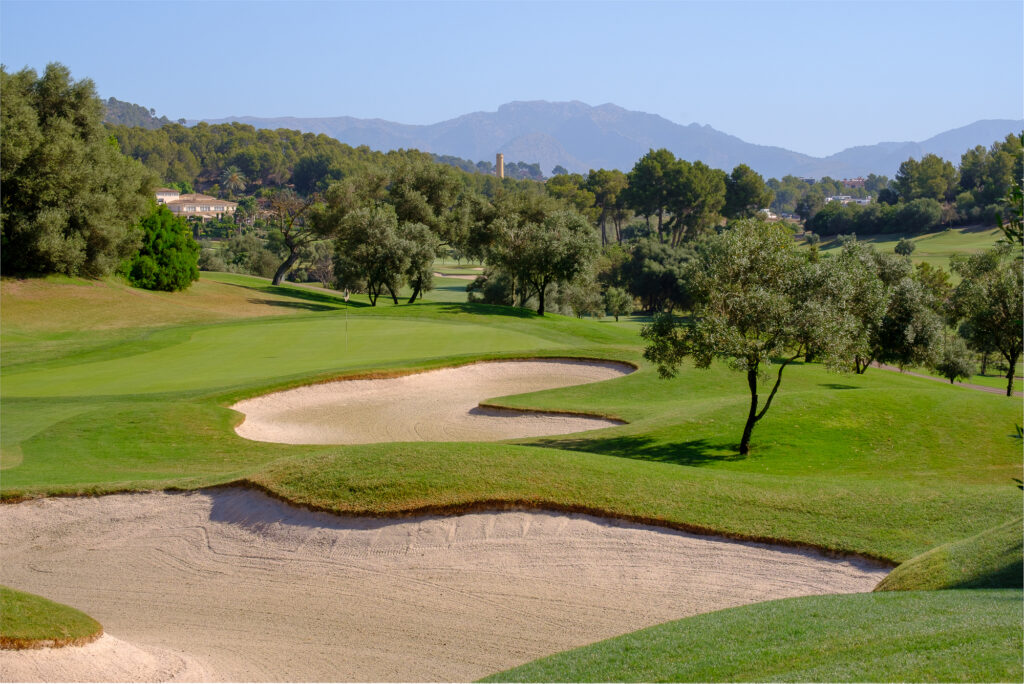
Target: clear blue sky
point(814, 77)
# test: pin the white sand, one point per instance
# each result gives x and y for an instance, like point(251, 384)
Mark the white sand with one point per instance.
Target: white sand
point(436, 406)
point(233, 585)
point(106, 659)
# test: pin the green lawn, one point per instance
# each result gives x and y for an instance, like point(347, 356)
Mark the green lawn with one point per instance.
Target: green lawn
point(933, 248)
point(109, 389)
point(920, 636)
point(26, 618)
point(936, 635)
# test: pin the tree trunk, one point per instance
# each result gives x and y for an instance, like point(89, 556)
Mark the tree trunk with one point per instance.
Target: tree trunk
point(283, 269)
point(984, 362)
point(394, 297)
point(1011, 360)
point(415, 294)
point(752, 416)
point(540, 300)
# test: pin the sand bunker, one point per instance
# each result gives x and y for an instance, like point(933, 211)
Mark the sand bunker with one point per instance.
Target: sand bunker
point(104, 660)
point(435, 406)
point(230, 584)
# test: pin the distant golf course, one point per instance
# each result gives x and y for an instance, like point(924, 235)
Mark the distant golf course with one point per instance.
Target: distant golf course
point(110, 389)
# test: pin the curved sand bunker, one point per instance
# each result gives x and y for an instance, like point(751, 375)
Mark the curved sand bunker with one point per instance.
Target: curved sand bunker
point(435, 406)
point(233, 585)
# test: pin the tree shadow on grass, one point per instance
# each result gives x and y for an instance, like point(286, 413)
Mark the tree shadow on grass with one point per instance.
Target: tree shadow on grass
point(330, 301)
point(487, 309)
point(696, 452)
point(837, 386)
point(306, 306)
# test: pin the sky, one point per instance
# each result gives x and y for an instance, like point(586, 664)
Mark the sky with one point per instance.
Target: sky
point(814, 76)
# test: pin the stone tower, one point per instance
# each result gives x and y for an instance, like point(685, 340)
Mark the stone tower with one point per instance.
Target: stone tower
point(499, 165)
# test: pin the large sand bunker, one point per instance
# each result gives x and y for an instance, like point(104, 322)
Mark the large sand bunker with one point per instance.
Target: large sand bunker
point(230, 584)
point(436, 406)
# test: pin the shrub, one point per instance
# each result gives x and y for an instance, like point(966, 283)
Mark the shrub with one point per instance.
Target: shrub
point(168, 259)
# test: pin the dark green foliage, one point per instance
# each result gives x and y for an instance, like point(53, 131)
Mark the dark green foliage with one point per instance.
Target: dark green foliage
point(931, 178)
point(989, 301)
point(168, 258)
point(745, 193)
point(70, 198)
point(371, 254)
point(654, 274)
point(758, 301)
point(121, 113)
point(543, 250)
point(617, 302)
point(904, 247)
point(956, 362)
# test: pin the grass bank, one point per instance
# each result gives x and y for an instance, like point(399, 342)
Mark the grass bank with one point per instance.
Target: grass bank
point(948, 636)
point(30, 621)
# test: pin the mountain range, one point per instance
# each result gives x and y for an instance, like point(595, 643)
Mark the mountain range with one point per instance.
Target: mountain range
point(580, 137)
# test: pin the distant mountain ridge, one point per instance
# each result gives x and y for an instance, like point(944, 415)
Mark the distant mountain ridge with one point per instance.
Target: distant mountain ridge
point(581, 137)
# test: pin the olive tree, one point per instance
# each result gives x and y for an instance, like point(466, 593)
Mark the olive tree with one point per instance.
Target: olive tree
point(371, 254)
point(542, 253)
point(758, 302)
point(70, 199)
point(988, 302)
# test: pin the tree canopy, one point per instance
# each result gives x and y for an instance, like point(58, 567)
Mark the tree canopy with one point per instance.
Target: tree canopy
point(70, 198)
point(758, 301)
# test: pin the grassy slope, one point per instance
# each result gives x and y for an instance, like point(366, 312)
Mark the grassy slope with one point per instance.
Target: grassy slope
point(27, 618)
point(919, 636)
point(147, 409)
point(934, 248)
point(953, 636)
point(93, 402)
point(993, 558)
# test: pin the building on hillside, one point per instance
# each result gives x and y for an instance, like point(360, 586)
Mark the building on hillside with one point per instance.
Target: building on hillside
point(195, 204)
point(163, 195)
point(853, 182)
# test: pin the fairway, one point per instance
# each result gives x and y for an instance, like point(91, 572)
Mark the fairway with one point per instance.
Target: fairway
point(875, 468)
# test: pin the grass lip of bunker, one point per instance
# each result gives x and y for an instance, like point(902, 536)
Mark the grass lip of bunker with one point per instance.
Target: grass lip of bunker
point(441, 405)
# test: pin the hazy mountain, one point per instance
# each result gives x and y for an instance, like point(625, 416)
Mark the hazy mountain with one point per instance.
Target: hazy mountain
point(580, 137)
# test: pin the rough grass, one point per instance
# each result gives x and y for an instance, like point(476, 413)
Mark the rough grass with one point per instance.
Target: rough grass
point(948, 636)
point(30, 621)
point(991, 559)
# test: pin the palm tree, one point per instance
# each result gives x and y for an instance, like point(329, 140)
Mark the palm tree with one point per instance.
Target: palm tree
point(232, 180)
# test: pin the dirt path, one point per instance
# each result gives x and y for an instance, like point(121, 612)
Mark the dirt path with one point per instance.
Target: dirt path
point(230, 584)
point(981, 388)
point(436, 406)
point(438, 274)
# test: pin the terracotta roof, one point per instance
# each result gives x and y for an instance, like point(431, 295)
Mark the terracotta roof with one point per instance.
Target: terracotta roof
point(165, 190)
